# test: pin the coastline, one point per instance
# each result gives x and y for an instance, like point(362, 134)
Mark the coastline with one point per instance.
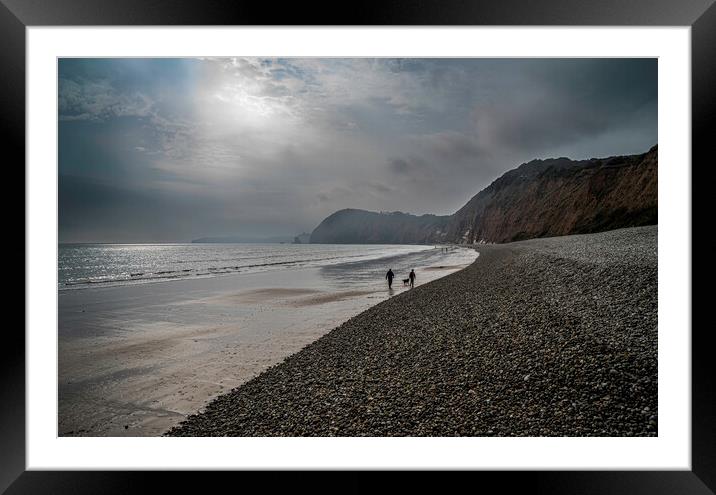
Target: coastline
point(135, 360)
point(545, 337)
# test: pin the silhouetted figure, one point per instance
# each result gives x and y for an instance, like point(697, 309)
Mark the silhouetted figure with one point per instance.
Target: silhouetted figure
point(412, 278)
point(390, 276)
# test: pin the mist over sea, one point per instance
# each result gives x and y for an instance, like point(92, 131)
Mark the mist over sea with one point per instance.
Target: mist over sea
point(103, 265)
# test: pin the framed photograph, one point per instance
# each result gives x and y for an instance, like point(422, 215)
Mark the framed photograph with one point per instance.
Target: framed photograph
point(420, 238)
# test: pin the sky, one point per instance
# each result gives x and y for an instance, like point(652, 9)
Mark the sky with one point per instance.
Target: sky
point(169, 150)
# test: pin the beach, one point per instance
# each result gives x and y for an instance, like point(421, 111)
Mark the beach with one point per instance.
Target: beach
point(136, 359)
point(545, 337)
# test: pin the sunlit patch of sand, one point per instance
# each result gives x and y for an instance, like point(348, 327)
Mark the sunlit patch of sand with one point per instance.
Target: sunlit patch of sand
point(327, 298)
point(265, 295)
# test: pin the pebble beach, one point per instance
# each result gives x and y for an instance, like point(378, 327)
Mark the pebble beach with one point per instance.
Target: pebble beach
point(545, 337)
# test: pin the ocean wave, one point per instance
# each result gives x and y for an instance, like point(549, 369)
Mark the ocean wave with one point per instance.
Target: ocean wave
point(145, 276)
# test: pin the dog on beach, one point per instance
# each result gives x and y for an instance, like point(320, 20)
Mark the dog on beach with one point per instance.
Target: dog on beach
point(406, 281)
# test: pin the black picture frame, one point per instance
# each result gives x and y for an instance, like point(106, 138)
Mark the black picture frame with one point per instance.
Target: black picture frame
point(700, 15)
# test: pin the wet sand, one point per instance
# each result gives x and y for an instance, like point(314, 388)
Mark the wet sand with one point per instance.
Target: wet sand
point(446, 267)
point(134, 361)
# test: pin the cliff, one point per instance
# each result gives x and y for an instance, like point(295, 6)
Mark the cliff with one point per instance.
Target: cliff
point(541, 198)
point(352, 226)
point(545, 198)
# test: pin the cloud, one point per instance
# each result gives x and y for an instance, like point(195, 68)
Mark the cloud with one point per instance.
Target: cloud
point(559, 103)
point(272, 144)
point(99, 100)
point(452, 146)
point(400, 166)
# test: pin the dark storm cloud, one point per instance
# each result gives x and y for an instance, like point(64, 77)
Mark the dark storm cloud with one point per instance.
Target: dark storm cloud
point(400, 166)
point(452, 146)
point(563, 107)
point(174, 149)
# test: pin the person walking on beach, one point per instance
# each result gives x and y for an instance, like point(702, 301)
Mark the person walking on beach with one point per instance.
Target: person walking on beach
point(412, 278)
point(390, 276)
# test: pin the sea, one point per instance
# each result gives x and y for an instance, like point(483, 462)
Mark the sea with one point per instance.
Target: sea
point(81, 266)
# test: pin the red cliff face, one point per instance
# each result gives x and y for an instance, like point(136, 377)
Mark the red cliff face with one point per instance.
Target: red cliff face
point(546, 198)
